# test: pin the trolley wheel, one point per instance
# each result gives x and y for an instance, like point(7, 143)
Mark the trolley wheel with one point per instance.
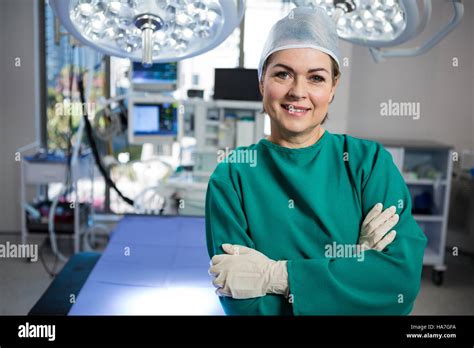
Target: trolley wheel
point(437, 277)
point(29, 260)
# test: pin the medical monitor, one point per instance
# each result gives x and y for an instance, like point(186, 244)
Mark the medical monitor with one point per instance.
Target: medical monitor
point(156, 78)
point(152, 122)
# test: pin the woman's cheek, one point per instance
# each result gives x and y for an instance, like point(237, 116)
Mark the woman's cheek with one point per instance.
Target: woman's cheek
point(273, 97)
point(321, 96)
point(275, 92)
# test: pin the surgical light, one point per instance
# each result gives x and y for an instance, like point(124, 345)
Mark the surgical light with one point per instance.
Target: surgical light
point(150, 30)
point(384, 23)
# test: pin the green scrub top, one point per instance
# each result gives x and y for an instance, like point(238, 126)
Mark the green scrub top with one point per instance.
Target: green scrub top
point(291, 204)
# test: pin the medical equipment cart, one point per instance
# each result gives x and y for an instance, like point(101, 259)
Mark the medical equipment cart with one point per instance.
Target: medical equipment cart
point(37, 170)
point(427, 169)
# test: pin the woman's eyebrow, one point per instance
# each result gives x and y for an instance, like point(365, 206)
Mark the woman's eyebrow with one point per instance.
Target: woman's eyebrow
point(291, 69)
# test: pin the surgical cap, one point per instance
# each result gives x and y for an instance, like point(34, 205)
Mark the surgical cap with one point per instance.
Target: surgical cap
point(303, 27)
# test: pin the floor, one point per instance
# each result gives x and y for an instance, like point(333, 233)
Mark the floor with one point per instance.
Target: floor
point(23, 282)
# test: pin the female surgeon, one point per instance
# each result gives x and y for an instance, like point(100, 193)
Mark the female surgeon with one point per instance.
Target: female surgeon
point(302, 230)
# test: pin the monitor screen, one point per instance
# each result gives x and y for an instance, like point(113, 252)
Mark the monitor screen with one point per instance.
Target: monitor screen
point(159, 76)
point(236, 84)
point(155, 119)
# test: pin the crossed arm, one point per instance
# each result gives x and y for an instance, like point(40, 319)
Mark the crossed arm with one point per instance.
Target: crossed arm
point(386, 283)
point(244, 272)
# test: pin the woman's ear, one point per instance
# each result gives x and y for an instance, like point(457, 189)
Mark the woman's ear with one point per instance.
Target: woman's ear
point(260, 86)
point(333, 90)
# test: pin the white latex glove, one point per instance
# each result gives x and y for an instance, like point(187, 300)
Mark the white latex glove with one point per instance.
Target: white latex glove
point(246, 273)
point(373, 234)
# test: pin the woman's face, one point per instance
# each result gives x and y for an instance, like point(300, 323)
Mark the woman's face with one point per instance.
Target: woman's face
point(297, 88)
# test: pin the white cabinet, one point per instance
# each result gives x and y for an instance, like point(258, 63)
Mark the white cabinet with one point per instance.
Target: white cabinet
point(427, 169)
point(53, 170)
point(220, 125)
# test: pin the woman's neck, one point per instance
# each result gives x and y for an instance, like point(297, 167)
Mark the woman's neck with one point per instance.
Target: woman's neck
point(298, 141)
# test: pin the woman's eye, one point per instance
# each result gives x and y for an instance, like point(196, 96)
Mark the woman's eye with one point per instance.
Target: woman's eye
point(282, 74)
point(317, 78)
point(285, 74)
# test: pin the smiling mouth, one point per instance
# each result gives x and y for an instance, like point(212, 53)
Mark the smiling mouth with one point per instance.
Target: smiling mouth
point(294, 110)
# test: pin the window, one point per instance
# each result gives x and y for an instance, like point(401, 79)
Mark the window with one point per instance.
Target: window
point(260, 15)
point(198, 72)
point(63, 64)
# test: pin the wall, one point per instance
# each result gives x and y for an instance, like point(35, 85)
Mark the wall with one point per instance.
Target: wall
point(18, 115)
point(445, 93)
point(340, 109)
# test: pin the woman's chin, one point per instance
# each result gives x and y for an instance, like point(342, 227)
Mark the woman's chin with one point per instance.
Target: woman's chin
point(295, 127)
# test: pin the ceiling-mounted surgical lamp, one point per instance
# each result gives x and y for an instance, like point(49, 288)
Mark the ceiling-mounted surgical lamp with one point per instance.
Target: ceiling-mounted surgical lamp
point(381, 24)
point(150, 30)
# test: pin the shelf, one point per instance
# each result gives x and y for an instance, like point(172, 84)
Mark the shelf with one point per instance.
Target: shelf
point(185, 185)
point(238, 104)
point(426, 168)
point(425, 182)
point(49, 172)
point(434, 218)
point(208, 149)
point(431, 257)
point(202, 173)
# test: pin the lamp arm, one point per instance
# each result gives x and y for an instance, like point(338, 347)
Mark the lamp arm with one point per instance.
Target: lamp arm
point(458, 10)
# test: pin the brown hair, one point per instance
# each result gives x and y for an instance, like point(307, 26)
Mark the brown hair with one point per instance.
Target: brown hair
point(336, 73)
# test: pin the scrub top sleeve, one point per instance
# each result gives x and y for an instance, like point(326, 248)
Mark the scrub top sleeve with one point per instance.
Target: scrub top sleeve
point(225, 219)
point(374, 282)
point(226, 223)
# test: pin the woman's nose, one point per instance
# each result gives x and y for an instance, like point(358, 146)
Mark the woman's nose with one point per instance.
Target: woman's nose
point(297, 89)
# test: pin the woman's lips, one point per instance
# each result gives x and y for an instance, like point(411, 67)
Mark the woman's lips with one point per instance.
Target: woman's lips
point(293, 111)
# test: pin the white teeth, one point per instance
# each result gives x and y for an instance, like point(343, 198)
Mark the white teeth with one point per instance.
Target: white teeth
point(293, 109)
